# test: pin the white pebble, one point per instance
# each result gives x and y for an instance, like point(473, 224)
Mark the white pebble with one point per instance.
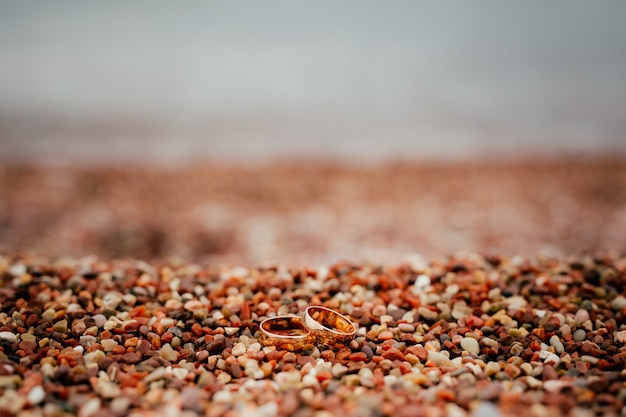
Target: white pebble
point(7, 337)
point(90, 408)
point(581, 316)
point(180, 373)
point(470, 345)
point(36, 395)
point(366, 377)
point(422, 282)
point(438, 358)
point(239, 349)
point(579, 335)
point(557, 344)
point(99, 320)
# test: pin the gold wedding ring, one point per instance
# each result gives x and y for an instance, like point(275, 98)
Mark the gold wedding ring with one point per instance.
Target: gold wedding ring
point(328, 326)
point(318, 325)
point(285, 332)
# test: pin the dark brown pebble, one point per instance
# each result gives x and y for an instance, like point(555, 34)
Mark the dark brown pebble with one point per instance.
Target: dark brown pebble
point(367, 351)
point(216, 346)
point(235, 370)
point(105, 362)
point(202, 355)
point(397, 314)
point(143, 346)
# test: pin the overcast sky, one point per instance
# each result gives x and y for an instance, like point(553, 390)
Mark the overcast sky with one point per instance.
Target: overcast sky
point(302, 78)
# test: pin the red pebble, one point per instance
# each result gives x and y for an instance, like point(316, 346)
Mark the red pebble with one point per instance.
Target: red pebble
point(358, 357)
point(393, 354)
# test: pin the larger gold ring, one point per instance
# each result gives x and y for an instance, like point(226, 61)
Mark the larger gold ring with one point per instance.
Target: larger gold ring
point(328, 326)
point(285, 332)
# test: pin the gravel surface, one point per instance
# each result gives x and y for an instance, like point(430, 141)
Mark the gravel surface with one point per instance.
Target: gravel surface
point(466, 335)
point(314, 213)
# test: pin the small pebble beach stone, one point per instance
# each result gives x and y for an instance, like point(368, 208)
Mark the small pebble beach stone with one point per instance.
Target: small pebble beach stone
point(7, 337)
point(470, 345)
point(385, 335)
point(579, 335)
point(168, 353)
point(239, 349)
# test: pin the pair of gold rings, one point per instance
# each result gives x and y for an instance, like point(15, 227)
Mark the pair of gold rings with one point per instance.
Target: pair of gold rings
point(317, 325)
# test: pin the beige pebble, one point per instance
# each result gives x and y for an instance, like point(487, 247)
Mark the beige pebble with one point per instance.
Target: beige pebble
point(338, 370)
point(239, 349)
point(470, 345)
point(492, 368)
point(427, 313)
point(406, 327)
point(438, 358)
point(108, 344)
point(385, 335)
point(60, 326)
point(168, 353)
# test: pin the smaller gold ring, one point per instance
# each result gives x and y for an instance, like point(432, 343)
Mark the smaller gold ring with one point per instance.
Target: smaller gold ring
point(285, 332)
point(328, 326)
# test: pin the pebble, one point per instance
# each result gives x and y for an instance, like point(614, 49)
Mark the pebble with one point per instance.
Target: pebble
point(60, 326)
point(579, 335)
point(111, 300)
point(338, 370)
point(492, 368)
point(379, 310)
point(557, 344)
point(239, 349)
point(385, 335)
point(438, 358)
point(99, 320)
point(581, 316)
point(470, 345)
point(94, 357)
point(7, 337)
point(180, 373)
point(591, 359)
point(108, 344)
point(155, 375)
point(406, 328)
point(619, 303)
point(168, 353)
point(366, 377)
point(422, 282)
point(36, 395)
point(49, 315)
point(427, 313)
point(89, 408)
point(487, 341)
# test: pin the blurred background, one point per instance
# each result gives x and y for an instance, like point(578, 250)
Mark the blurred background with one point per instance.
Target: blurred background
point(312, 131)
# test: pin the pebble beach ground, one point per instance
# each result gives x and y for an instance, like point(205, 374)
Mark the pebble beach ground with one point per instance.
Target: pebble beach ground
point(163, 318)
point(468, 336)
